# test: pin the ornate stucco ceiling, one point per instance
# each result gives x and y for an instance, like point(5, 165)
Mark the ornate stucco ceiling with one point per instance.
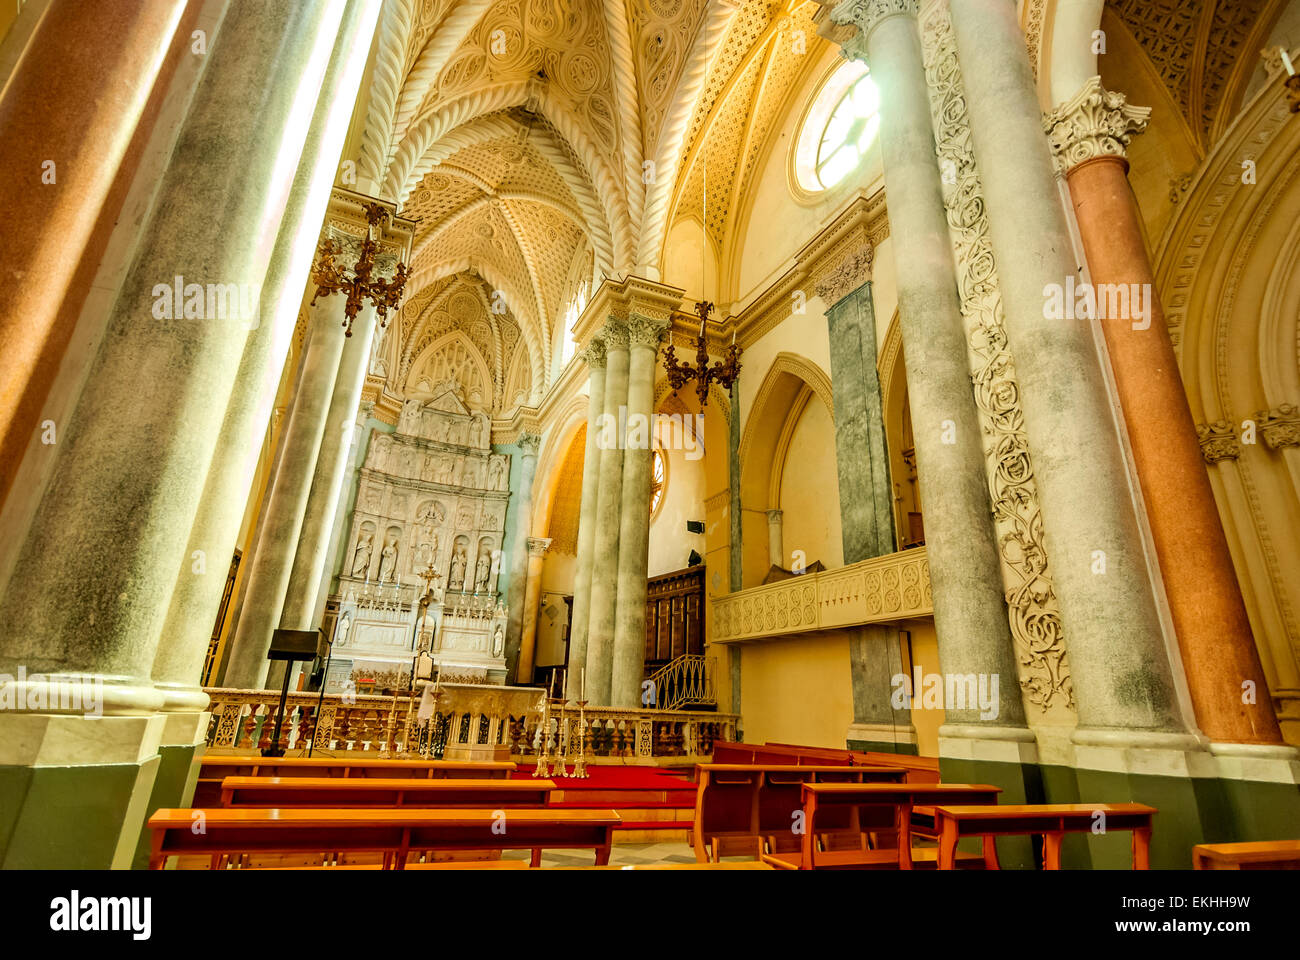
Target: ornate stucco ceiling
point(547, 143)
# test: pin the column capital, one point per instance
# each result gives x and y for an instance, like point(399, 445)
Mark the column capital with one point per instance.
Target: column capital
point(537, 546)
point(1095, 122)
point(614, 334)
point(775, 515)
point(1218, 441)
point(528, 444)
point(594, 354)
point(1280, 426)
point(867, 15)
point(847, 276)
point(645, 331)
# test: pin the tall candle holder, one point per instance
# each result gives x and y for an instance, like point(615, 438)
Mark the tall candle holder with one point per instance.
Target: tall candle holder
point(561, 744)
point(580, 761)
point(542, 739)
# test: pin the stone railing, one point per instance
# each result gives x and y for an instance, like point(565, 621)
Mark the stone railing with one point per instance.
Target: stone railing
point(893, 587)
point(466, 716)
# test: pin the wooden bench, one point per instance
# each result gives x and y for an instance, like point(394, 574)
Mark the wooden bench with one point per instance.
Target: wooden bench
point(214, 769)
point(348, 792)
point(738, 805)
point(393, 833)
point(858, 807)
point(1051, 820)
point(1250, 855)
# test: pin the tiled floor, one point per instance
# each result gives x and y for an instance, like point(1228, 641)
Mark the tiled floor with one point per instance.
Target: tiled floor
point(621, 854)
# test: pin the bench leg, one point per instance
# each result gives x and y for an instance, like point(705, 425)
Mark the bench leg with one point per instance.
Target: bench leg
point(948, 845)
point(990, 853)
point(536, 860)
point(1052, 851)
point(1142, 849)
point(602, 855)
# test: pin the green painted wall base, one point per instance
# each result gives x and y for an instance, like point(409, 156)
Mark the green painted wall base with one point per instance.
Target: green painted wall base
point(178, 772)
point(1020, 783)
point(881, 746)
point(74, 817)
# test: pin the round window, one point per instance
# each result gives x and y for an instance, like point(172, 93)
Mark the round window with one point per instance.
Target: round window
point(839, 129)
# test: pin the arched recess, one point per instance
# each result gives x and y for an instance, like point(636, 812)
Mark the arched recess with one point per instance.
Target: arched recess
point(452, 357)
point(909, 529)
point(1229, 277)
point(791, 383)
point(562, 454)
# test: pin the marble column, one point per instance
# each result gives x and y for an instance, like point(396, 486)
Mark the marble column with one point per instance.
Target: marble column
point(277, 539)
point(528, 444)
point(861, 454)
point(609, 503)
point(735, 558)
point(49, 126)
point(537, 547)
point(1120, 665)
point(594, 356)
point(1088, 136)
point(628, 670)
point(775, 545)
point(970, 616)
point(86, 604)
point(301, 607)
point(876, 663)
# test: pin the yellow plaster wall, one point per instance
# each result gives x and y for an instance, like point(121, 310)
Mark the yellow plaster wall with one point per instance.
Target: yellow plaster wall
point(797, 690)
point(925, 654)
point(810, 496)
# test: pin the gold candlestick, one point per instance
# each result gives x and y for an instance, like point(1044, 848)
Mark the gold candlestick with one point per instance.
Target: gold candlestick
point(580, 761)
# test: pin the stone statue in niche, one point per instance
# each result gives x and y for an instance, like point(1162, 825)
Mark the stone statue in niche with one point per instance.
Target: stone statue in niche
point(456, 579)
point(365, 546)
point(476, 436)
point(498, 641)
point(426, 472)
point(445, 466)
point(496, 473)
point(371, 500)
point(379, 453)
point(388, 557)
point(483, 570)
point(440, 430)
point(409, 420)
point(432, 514)
point(470, 478)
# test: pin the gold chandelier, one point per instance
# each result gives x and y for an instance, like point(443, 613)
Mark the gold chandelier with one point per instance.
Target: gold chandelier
point(331, 278)
point(723, 373)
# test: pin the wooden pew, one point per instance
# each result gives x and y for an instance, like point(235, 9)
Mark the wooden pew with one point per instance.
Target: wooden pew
point(214, 769)
point(860, 806)
point(737, 805)
point(1251, 855)
point(349, 792)
point(1051, 820)
point(393, 833)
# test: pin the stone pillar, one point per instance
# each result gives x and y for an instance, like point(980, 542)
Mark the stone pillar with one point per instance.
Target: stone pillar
point(537, 547)
point(63, 149)
point(775, 547)
point(199, 584)
point(861, 454)
point(628, 670)
point(735, 560)
point(528, 444)
point(277, 540)
point(876, 661)
point(969, 613)
point(594, 356)
point(1088, 136)
point(1120, 665)
point(90, 593)
point(609, 502)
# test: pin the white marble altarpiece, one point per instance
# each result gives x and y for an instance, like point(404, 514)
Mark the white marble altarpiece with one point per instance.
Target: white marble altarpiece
point(430, 510)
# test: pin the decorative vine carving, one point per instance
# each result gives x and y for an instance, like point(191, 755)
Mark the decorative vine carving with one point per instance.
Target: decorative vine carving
point(1031, 600)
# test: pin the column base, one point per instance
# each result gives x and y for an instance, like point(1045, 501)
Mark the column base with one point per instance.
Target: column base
point(74, 789)
point(881, 738)
point(180, 752)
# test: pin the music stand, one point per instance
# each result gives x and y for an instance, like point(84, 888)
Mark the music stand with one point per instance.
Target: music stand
point(289, 646)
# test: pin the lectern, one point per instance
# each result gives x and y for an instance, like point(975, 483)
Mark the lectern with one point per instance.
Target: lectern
point(289, 645)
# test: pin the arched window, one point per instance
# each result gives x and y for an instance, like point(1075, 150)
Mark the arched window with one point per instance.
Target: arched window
point(840, 127)
point(657, 478)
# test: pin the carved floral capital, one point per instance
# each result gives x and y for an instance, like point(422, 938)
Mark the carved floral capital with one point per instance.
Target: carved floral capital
point(529, 444)
point(1218, 441)
point(1280, 427)
point(849, 274)
point(537, 546)
point(867, 15)
point(614, 334)
point(594, 354)
point(1095, 122)
point(645, 332)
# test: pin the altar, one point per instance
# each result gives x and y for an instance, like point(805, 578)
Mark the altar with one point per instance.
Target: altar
point(424, 552)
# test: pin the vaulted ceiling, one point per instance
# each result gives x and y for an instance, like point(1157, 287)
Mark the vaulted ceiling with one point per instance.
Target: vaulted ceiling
point(547, 143)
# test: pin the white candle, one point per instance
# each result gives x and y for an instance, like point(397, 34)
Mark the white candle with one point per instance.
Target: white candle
point(1286, 62)
point(582, 693)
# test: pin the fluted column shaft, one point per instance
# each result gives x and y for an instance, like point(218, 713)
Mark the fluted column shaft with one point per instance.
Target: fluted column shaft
point(537, 547)
point(277, 541)
point(197, 594)
point(1088, 135)
point(1120, 666)
point(634, 523)
point(609, 506)
point(301, 606)
point(594, 356)
point(528, 444)
point(969, 613)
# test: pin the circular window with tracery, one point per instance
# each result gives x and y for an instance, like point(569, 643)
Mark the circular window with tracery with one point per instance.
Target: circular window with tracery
point(839, 129)
point(657, 478)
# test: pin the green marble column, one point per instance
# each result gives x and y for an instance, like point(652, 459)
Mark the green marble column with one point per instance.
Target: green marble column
point(861, 454)
point(528, 445)
point(594, 356)
point(734, 552)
